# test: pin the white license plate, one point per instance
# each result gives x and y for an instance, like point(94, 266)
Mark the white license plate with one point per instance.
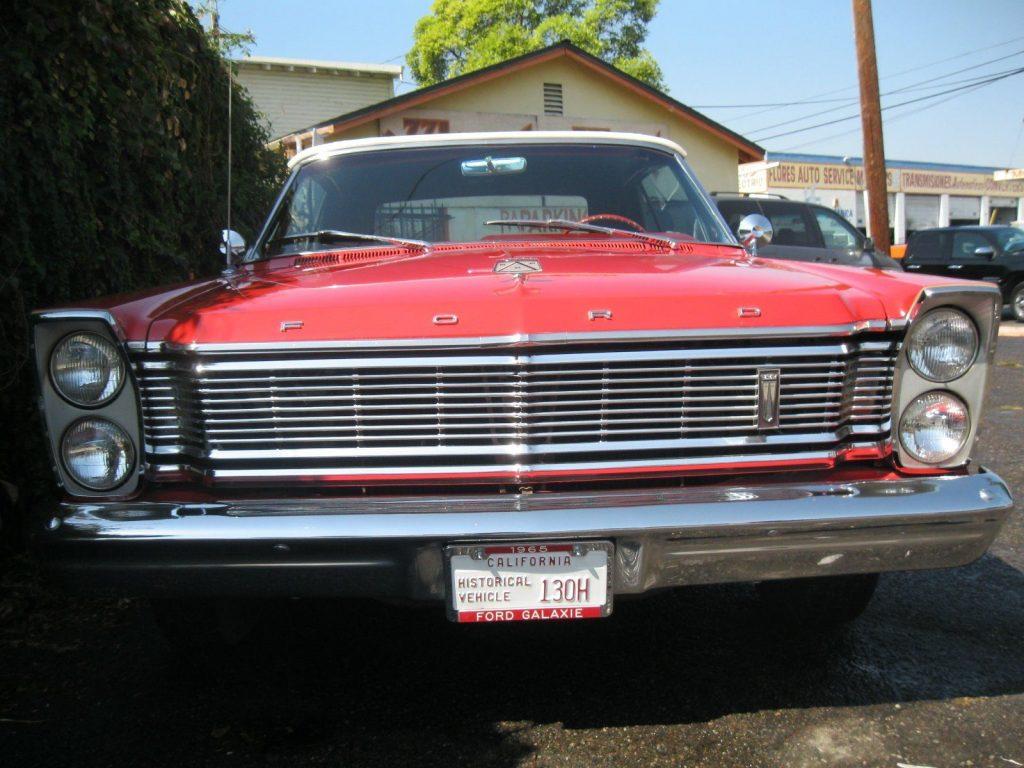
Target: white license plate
point(529, 581)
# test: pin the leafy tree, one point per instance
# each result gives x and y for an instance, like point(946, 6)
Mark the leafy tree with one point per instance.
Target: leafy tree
point(460, 36)
point(225, 41)
point(113, 123)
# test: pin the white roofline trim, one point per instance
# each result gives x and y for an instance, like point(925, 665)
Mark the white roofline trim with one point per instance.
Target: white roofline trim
point(392, 70)
point(482, 138)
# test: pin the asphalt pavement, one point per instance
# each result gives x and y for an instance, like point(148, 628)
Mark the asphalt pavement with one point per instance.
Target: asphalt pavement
point(932, 675)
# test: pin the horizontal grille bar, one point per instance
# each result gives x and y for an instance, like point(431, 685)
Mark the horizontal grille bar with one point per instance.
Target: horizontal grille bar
point(219, 412)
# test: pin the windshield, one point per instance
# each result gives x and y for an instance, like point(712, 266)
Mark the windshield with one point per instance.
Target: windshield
point(447, 194)
point(1010, 239)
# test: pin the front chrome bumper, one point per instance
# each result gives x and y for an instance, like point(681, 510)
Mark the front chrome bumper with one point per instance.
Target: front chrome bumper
point(392, 546)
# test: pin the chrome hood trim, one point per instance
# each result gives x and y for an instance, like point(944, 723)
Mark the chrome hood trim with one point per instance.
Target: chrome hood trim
point(527, 340)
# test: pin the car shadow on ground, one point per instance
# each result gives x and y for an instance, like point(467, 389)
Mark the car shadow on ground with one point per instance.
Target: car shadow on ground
point(374, 684)
point(320, 672)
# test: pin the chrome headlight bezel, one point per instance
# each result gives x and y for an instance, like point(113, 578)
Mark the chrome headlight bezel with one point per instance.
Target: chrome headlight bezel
point(123, 407)
point(981, 304)
point(927, 324)
point(116, 371)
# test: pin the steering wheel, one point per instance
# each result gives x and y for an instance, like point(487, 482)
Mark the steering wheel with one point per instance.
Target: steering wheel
point(612, 217)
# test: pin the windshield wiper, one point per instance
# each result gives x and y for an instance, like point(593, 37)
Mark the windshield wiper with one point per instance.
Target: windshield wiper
point(340, 236)
point(577, 226)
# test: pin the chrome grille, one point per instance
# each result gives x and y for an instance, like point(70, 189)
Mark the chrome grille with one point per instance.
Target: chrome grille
point(335, 411)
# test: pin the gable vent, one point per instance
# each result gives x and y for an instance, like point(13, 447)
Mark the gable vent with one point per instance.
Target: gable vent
point(552, 98)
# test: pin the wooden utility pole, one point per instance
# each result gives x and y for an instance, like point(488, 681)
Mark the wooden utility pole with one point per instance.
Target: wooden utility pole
point(871, 123)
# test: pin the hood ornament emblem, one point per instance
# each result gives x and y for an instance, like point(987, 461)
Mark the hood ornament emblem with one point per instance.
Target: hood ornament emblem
point(517, 266)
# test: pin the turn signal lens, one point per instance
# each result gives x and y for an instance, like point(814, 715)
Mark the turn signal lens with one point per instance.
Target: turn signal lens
point(97, 453)
point(87, 369)
point(942, 345)
point(934, 427)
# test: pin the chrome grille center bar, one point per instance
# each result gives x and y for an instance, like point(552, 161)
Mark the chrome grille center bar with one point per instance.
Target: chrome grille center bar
point(339, 413)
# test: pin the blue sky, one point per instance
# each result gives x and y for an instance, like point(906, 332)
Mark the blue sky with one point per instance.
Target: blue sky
point(746, 52)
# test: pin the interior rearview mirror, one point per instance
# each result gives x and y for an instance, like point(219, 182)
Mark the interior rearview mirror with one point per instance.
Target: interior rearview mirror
point(489, 166)
point(754, 230)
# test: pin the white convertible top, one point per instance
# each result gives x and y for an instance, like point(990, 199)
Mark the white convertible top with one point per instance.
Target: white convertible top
point(482, 138)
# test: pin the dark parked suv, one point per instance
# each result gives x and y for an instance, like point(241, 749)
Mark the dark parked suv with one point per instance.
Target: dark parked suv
point(992, 254)
point(805, 232)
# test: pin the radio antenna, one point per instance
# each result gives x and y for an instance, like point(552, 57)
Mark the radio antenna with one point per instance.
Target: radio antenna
point(229, 266)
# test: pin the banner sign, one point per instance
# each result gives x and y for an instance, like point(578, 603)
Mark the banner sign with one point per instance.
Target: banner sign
point(841, 176)
point(941, 182)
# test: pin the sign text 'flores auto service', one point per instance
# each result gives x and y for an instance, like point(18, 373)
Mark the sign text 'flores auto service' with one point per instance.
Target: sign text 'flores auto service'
point(755, 177)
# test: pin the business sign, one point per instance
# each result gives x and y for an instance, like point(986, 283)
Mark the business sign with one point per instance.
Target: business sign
point(753, 180)
point(942, 182)
point(841, 176)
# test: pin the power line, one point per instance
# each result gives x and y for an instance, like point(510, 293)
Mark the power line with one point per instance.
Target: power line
point(975, 79)
point(890, 106)
point(958, 71)
point(983, 79)
point(933, 80)
point(809, 99)
point(894, 119)
point(845, 100)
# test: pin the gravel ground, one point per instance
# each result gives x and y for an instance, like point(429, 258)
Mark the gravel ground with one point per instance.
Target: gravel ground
point(932, 675)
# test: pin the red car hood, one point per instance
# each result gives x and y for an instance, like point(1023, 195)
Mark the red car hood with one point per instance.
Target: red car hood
point(458, 293)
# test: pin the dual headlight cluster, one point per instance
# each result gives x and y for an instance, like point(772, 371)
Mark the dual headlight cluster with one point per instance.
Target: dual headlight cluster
point(941, 347)
point(88, 371)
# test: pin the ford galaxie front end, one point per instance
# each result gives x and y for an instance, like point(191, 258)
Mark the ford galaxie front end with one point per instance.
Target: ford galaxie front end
point(518, 375)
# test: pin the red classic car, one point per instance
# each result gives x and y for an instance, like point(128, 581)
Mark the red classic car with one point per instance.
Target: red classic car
point(519, 375)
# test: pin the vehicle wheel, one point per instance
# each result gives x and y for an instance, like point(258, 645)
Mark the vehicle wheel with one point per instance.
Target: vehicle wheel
point(1017, 303)
point(204, 625)
point(822, 603)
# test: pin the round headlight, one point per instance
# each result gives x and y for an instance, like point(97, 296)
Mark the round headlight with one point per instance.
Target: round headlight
point(97, 453)
point(942, 345)
point(934, 427)
point(86, 369)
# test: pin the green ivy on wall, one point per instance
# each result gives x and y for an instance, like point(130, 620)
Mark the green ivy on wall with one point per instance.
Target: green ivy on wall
point(113, 135)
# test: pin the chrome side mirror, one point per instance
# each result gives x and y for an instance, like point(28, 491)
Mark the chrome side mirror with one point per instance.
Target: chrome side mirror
point(754, 230)
point(231, 244)
point(985, 251)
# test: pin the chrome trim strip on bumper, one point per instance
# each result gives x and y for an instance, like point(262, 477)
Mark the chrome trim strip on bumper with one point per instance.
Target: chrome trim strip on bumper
point(391, 545)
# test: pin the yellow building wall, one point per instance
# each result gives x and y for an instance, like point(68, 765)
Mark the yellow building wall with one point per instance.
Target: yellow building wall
point(587, 94)
point(590, 100)
point(367, 130)
point(292, 100)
